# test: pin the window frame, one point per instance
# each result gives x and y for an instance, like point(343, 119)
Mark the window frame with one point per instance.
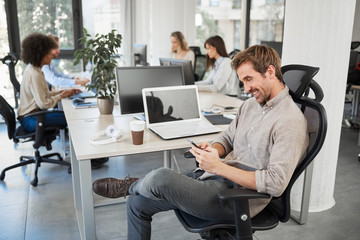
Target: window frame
point(14, 32)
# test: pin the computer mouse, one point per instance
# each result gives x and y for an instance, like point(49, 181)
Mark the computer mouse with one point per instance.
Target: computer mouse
point(77, 100)
point(188, 154)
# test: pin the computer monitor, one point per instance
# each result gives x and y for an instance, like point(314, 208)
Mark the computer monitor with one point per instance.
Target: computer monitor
point(140, 54)
point(186, 64)
point(131, 81)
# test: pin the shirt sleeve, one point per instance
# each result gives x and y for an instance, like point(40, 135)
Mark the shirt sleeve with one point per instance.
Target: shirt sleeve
point(55, 78)
point(227, 137)
point(41, 93)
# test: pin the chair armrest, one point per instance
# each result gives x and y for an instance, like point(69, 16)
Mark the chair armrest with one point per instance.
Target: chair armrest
point(42, 112)
point(240, 194)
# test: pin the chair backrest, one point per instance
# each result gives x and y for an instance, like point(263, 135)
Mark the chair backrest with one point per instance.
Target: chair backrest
point(234, 52)
point(196, 50)
point(7, 112)
point(11, 60)
point(317, 127)
point(200, 66)
point(298, 78)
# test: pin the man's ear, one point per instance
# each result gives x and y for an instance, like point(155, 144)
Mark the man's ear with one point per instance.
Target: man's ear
point(271, 70)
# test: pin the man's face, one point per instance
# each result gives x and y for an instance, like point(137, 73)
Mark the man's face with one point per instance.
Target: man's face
point(255, 83)
point(55, 52)
point(47, 58)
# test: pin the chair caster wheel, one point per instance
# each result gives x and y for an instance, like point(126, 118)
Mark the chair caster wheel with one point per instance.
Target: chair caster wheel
point(69, 170)
point(34, 182)
point(2, 176)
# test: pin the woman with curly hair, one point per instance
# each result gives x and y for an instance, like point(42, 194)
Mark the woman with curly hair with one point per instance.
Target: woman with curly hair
point(180, 49)
point(36, 51)
point(222, 78)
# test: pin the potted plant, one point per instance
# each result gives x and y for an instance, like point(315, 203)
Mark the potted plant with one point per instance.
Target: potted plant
point(100, 51)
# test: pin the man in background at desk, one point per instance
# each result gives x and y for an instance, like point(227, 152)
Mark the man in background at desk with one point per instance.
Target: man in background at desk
point(259, 151)
point(57, 79)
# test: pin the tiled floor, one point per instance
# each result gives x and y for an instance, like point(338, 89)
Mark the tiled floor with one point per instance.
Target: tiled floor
point(47, 212)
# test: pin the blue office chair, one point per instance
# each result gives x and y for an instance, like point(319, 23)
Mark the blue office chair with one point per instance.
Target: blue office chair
point(242, 227)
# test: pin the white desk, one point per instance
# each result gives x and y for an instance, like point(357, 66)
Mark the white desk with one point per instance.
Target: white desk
point(84, 123)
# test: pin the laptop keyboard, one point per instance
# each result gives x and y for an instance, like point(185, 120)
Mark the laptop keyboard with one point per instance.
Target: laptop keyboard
point(185, 129)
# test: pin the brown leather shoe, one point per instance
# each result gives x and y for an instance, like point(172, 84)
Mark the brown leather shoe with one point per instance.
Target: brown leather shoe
point(112, 187)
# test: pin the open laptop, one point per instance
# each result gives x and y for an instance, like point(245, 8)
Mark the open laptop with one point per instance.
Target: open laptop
point(174, 112)
point(87, 93)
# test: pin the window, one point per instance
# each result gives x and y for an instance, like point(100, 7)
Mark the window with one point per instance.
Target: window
point(6, 89)
point(48, 17)
point(266, 21)
point(103, 16)
point(214, 3)
point(236, 4)
point(223, 20)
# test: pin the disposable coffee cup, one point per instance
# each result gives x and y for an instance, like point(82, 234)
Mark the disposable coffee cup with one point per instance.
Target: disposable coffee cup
point(137, 131)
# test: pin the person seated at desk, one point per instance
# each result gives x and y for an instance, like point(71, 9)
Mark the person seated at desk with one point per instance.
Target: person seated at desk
point(259, 150)
point(180, 49)
point(56, 79)
point(222, 78)
point(36, 51)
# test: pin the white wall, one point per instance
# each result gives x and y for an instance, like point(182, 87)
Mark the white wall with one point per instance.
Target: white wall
point(318, 33)
point(157, 19)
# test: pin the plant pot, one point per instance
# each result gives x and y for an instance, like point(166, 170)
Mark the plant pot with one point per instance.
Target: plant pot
point(105, 105)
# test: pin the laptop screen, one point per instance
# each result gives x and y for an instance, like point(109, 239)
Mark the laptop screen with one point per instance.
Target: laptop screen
point(168, 104)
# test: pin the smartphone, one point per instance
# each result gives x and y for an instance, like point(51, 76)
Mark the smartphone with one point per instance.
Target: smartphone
point(193, 143)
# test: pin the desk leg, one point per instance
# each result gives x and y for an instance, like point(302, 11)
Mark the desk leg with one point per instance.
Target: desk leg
point(355, 102)
point(167, 158)
point(83, 198)
point(63, 141)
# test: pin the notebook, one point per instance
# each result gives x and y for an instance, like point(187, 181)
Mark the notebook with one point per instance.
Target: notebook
point(174, 112)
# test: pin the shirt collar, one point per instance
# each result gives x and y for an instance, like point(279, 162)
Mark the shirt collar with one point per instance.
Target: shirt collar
point(278, 98)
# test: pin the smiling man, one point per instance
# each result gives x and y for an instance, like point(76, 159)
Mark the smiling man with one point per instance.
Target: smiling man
point(259, 150)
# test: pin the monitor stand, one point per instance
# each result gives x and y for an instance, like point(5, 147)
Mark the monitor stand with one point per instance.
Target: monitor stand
point(139, 116)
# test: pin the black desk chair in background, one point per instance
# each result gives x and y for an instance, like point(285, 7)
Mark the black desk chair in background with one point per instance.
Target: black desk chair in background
point(199, 64)
point(11, 60)
point(43, 136)
point(242, 227)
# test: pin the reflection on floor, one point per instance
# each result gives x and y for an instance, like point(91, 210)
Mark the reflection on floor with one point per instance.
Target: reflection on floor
point(47, 211)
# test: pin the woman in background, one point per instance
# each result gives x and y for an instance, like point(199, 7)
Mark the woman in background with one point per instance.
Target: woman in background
point(222, 78)
point(36, 51)
point(180, 49)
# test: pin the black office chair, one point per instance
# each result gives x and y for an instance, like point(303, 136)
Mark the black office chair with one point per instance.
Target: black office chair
point(11, 60)
point(43, 136)
point(199, 64)
point(233, 53)
point(242, 227)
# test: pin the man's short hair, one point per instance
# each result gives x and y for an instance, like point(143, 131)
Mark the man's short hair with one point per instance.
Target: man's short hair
point(35, 47)
point(261, 56)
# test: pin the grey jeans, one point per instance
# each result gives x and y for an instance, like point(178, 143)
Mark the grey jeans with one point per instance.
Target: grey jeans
point(164, 189)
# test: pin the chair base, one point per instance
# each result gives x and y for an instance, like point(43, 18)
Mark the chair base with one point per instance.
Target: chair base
point(37, 160)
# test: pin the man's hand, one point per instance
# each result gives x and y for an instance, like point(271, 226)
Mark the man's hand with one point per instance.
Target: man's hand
point(81, 81)
point(208, 158)
point(68, 92)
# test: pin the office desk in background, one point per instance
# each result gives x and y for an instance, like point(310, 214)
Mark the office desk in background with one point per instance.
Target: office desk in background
point(84, 123)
